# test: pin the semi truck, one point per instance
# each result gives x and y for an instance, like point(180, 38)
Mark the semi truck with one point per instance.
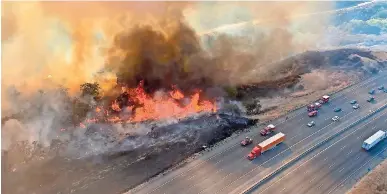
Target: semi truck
point(374, 139)
point(266, 145)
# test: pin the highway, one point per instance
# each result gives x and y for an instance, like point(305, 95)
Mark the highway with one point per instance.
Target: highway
point(225, 169)
point(332, 165)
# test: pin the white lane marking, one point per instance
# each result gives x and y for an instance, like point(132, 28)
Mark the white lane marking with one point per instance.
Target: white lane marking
point(349, 152)
point(349, 176)
point(312, 180)
point(330, 166)
point(357, 157)
point(273, 156)
point(275, 183)
point(282, 190)
point(341, 93)
point(289, 139)
point(192, 186)
point(341, 169)
point(320, 186)
point(325, 158)
point(343, 147)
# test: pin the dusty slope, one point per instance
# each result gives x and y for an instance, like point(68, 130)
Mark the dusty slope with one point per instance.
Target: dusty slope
point(373, 183)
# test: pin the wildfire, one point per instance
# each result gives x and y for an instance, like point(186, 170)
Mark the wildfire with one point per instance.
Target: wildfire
point(142, 106)
point(115, 106)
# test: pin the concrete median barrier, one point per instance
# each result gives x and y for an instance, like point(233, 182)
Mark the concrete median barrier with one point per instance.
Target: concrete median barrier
point(312, 148)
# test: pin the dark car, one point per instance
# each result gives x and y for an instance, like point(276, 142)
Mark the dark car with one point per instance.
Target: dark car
point(380, 87)
point(371, 92)
point(353, 101)
point(370, 99)
point(337, 109)
point(246, 141)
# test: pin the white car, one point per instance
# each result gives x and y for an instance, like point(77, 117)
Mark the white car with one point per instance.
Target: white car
point(311, 124)
point(335, 118)
point(356, 106)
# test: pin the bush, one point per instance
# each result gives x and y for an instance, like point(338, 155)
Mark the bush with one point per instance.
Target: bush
point(90, 89)
point(231, 91)
point(253, 107)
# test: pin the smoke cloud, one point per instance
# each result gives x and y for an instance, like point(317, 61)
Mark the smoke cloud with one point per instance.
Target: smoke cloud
point(51, 44)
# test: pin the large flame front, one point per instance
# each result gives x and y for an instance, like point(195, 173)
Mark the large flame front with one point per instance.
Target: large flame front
point(143, 106)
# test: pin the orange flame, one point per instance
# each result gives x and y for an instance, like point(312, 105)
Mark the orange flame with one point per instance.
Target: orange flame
point(156, 109)
point(150, 108)
point(115, 106)
point(176, 94)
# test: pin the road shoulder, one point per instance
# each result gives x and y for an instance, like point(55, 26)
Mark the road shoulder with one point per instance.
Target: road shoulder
point(374, 182)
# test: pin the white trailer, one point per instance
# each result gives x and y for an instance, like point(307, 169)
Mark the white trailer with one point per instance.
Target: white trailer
point(374, 139)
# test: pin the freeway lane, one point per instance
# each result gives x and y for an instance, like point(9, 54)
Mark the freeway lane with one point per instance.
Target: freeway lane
point(217, 170)
point(326, 168)
point(247, 178)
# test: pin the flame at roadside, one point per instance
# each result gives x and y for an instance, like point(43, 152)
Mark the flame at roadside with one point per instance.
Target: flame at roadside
point(161, 106)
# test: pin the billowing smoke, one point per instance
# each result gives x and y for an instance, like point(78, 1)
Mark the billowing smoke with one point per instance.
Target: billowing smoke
point(51, 44)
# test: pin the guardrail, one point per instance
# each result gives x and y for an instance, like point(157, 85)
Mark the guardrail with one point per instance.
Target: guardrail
point(317, 145)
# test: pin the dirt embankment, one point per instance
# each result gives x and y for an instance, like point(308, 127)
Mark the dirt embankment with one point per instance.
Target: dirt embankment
point(373, 183)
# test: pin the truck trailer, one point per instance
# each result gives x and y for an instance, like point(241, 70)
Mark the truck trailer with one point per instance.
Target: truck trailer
point(374, 139)
point(266, 145)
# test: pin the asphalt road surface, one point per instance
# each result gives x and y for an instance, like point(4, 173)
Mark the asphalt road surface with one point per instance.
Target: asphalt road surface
point(331, 166)
point(225, 169)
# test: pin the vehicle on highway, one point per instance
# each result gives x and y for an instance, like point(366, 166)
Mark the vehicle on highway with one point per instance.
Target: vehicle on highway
point(385, 90)
point(356, 106)
point(324, 99)
point(337, 109)
point(267, 130)
point(317, 105)
point(313, 113)
point(310, 108)
point(353, 102)
point(246, 141)
point(311, 124)
point(374, 139)
point(370, 99)
point(335, 118)
point(266, 145)
point(380, 87)
point(371, 92)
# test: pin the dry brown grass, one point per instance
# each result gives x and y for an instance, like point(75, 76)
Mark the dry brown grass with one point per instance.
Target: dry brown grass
point(373, 183)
